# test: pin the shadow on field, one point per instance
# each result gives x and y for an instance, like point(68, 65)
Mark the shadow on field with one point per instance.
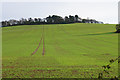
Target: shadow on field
point(98, 34)
point(103, 33)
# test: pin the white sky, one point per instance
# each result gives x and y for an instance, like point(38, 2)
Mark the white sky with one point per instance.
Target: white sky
point(59, 0)
point(119, 13)
point(101, 10)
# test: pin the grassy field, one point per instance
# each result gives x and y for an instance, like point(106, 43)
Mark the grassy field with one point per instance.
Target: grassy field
point(59, 50)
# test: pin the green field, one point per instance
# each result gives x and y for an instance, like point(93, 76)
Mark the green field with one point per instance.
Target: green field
point(65, 50)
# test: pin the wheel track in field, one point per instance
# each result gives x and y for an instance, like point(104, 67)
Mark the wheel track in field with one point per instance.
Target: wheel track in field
point(62, 50)
point(38, 46)
point(56, 43)
point(42, 38)
point(29, 29)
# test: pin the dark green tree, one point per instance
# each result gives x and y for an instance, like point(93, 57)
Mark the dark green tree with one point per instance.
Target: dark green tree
point(49, 19)
point(72, 19)
point(84, 20)
point(76, 18)
point(57, 19)
point(66, 19)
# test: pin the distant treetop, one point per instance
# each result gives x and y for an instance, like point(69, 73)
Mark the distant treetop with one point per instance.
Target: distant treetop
point(54, 19)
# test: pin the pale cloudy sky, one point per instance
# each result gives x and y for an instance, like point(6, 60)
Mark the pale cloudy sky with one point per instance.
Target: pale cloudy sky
point(101, 10)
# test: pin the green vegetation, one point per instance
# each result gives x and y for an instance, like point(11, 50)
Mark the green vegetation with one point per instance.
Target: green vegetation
point(118, 28)
point(66, 50)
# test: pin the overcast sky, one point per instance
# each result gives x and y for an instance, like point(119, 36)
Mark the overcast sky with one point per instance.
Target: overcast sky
point(101, 10)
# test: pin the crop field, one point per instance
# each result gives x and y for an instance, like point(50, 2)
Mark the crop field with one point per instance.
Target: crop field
point(58, 50)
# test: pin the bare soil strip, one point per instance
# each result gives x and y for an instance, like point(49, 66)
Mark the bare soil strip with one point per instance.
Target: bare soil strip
point(38, 46)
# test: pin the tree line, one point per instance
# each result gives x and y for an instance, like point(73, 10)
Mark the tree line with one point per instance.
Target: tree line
point(54, 19)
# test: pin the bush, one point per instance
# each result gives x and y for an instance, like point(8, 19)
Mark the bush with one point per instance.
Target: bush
point(118, 28)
